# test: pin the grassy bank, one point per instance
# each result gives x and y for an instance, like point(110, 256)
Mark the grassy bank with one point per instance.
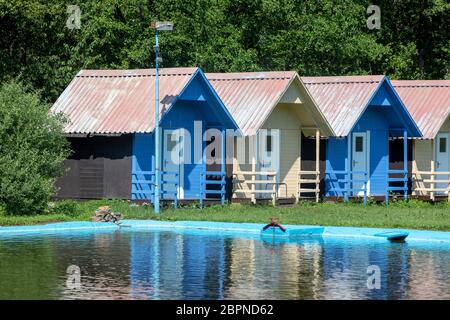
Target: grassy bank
point(411, 215)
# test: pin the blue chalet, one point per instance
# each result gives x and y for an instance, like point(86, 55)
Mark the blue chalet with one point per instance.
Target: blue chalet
point(364, 112)
point(111, 130)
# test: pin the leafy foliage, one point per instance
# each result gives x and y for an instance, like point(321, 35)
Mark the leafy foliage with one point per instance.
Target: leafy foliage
point(64, 207)
point(32, 150)
point(314, 37)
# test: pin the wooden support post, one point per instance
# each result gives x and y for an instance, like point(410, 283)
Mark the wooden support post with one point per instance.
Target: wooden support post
point(348, 169)
point(405, 163)
point(414, 183)
point(317, 164)
point(203, 175)
point(448, 188)
point(387, 180)
point(367, 175)
point(365, 191)
point(222, 168)
point(299, 176)
point(152, 181)
point(432, 176)
point(177, 185)
point(253, 185)
point(201, 189)
point(274, 189)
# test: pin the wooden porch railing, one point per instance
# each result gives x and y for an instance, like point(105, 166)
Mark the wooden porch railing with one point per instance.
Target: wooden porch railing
point(209, 178)
point(348, 180)
point(147, 178)
point(312, 177)
point(255, 179)
point(422, 178)
point(398, 177)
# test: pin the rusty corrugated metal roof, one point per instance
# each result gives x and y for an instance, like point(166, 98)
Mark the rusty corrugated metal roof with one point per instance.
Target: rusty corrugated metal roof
point(342, 99)
point(251, 96)
point(428, 101)
point(118, 101)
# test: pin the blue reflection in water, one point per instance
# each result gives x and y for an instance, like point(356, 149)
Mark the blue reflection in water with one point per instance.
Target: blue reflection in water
point(175, 266)
point(204, 265)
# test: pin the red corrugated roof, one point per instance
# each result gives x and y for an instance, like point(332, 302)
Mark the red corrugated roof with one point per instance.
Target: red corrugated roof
point(118, 101)
point(428, 101)
point(250, 96)
point(342, 99)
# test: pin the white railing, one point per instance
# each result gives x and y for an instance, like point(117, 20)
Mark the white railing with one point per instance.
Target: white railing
point(426, 183)
point(250, 184)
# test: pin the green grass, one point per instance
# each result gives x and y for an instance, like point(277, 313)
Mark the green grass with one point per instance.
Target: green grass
point(412, 214)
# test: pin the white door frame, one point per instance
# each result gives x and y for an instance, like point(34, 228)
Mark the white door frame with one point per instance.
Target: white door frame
point(180, 134)
point(439, 165)
point(366, 154)
point(275, 149)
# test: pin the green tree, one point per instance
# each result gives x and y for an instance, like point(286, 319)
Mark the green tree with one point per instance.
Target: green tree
point(417, 35)
point(313, 37)
point(32, 150)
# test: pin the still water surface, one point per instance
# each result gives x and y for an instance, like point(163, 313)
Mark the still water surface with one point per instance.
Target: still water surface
point(202, 265)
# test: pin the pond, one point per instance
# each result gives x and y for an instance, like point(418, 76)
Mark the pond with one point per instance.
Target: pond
point(125, 264)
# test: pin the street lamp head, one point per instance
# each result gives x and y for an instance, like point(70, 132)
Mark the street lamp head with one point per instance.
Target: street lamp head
point(162, 25)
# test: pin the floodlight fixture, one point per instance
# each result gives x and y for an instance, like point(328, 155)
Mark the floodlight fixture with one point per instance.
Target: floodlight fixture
point(162, 25)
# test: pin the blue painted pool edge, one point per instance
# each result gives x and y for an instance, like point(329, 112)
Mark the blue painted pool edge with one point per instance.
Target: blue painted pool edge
point(252, 228)
point(58, 226)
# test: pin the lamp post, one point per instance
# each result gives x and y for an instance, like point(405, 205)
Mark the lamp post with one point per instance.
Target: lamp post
point(158, 26)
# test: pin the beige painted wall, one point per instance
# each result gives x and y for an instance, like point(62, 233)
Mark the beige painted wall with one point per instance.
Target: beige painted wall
point(295, 112)
point(285, 119)
point(422, 155)
point(241, 187)
point(446, 126)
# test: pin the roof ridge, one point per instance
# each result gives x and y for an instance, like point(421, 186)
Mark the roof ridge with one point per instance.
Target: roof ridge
point(424, 86)
point(252, 78)
point(252, 75)
point(132, 75)
point(421, 85)
point(316, 80)
point(122, 73)
point(341, 82)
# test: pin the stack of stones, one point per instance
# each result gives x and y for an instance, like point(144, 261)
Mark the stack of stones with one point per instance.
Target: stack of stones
point(104, 214)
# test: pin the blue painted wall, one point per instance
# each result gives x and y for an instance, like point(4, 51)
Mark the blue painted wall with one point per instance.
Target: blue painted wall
point(335, 161)
point(142, 159)
point(383, 114)
point(374, 120)
point(198, 102)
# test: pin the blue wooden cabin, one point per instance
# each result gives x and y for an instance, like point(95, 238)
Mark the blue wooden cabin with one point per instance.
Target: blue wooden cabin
point(365, 112)
point(121, 103)
point(197, 102)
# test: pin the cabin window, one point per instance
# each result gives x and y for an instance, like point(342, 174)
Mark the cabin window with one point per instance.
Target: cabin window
point(211, 140)
point(442, 145)
point(171, 141)
point(359, 144)
point(269, 143)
